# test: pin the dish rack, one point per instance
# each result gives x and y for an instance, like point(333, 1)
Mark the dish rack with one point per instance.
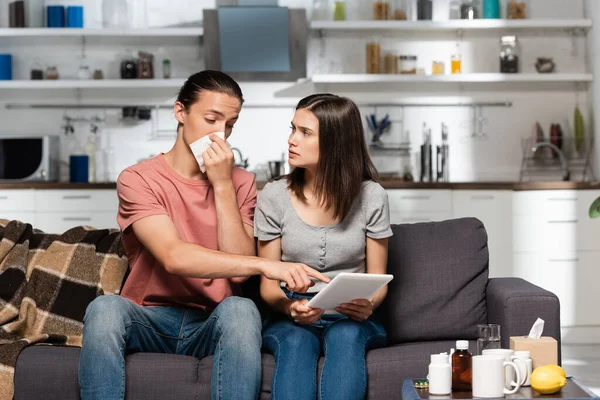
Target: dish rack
point(546, 161)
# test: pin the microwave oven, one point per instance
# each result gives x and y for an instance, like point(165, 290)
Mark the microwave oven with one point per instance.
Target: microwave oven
point(29, 158)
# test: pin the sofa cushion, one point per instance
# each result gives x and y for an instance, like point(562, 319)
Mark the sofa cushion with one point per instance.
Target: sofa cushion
point(440, 276)
point(50, 372)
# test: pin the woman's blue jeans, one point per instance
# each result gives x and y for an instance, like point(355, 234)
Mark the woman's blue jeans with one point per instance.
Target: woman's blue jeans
point(297, 348)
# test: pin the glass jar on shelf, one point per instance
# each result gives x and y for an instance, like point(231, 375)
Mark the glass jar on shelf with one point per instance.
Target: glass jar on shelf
point(339, 10)
point(469, 9)
point(408, 64)
point(509, 54)
point(321, 10)
point(456, 63)
point(454, 8)
point(129, 65)
point(438, 68)
point(390, 63)
point(381, 10)
point(402, 10)
point(84, 72)
point(51, 73)
point(517, 9)
point(166, 68)
point(373, 56)
point(145, 65)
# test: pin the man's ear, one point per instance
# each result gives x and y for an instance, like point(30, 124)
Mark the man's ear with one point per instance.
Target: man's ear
point(179, 111)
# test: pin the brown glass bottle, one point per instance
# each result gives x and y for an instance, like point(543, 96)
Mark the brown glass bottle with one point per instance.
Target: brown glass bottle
point(461, 367)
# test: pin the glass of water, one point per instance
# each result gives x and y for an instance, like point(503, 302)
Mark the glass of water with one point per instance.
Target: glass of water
point(488, 337)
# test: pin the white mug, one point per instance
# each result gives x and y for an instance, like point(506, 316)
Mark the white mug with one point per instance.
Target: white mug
point(489, 376)
point(525, 369)
point(509, 355)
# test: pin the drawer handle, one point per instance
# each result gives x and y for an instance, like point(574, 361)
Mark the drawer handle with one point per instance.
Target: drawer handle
point(562, 198)
point(87, 219)
point(570, 221)
point(576, 259)
point(483, 197)
point(416, 197)
point(77, 197)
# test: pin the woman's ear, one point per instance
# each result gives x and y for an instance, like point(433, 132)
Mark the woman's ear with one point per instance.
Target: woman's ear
point(180, 112)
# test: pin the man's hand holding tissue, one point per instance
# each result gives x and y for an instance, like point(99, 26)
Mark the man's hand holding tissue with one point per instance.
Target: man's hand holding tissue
point(218, 160)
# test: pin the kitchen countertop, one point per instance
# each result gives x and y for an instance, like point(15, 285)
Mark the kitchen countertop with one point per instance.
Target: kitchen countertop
point(386, 183)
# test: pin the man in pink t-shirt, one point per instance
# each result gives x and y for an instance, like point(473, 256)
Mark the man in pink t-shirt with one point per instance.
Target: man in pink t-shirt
point(189, 239)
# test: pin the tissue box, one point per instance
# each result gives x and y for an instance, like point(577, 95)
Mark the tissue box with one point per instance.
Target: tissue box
point(543, 350)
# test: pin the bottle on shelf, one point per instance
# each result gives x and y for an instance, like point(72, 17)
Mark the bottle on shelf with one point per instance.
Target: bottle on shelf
point(373, 56)
point(339, 10)
point(321, 10)
point(456, 62)
point(109, 161)
point(462, 361)
point(90, 149)
point(166, 68)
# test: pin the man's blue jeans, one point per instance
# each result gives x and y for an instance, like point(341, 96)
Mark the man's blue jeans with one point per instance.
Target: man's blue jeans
point(296, 348)
point(115, 326)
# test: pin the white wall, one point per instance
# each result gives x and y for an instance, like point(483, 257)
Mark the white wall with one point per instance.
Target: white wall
point(261, 132)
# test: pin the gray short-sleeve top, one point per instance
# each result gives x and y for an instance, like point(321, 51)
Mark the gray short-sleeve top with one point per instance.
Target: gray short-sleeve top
point(329, 249)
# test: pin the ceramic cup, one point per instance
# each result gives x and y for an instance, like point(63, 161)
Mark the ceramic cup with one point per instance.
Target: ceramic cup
point(489, 376)
point(509, 355)
point(526, 368)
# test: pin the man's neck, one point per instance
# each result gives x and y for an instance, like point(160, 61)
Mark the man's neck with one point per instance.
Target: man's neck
point(182, 160)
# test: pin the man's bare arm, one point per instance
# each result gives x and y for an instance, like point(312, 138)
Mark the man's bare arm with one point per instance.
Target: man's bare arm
point(158, 234)
point(233, 235)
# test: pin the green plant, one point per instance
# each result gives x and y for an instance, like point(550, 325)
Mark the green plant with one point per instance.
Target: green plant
point(595, 208)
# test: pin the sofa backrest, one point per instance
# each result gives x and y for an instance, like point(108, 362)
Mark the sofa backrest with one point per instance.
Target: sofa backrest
point(440, 277)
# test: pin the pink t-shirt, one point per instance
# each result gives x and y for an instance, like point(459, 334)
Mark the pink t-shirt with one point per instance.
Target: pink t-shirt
point(152, 187)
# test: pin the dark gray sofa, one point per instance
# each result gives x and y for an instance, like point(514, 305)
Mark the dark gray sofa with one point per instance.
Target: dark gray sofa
point(439, 294)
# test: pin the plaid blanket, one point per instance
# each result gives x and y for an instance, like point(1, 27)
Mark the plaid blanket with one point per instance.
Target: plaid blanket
point(46, 283)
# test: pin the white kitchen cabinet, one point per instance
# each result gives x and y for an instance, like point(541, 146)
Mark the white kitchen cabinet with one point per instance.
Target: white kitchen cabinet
point(557, 246)
point(409, 206)
point(63, 221)
point(494, 209)
point(76, 200)
point(555, 220)
point(17, 200)
point(17, 204)
point(59, 210)
point(572, 276)
point(23, 216)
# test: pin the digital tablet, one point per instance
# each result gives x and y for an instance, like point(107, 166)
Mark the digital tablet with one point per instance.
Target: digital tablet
point(347, 286)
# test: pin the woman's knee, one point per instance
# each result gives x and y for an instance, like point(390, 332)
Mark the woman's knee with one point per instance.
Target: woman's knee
point(294, 340)
point(346, 332)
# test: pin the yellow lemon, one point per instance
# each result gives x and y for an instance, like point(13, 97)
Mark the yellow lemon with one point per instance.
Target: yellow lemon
point(557, 369)
point(548, 379)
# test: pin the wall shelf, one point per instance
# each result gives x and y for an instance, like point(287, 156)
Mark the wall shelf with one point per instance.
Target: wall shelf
point(87, 32)
point(383, 82)
point(454, 25)
point(455, 78)
point(93, 84)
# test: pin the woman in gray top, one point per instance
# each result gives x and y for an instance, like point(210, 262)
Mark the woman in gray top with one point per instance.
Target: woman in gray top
point(330, 214)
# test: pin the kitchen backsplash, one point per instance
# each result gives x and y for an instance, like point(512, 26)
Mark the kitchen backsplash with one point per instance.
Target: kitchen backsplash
point(261, 133)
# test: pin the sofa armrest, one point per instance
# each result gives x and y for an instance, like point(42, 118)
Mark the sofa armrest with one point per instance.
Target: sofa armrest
point(515, 304)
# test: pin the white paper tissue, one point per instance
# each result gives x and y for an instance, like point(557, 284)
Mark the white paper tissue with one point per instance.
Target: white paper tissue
point(537, 329)
point(201, 145)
